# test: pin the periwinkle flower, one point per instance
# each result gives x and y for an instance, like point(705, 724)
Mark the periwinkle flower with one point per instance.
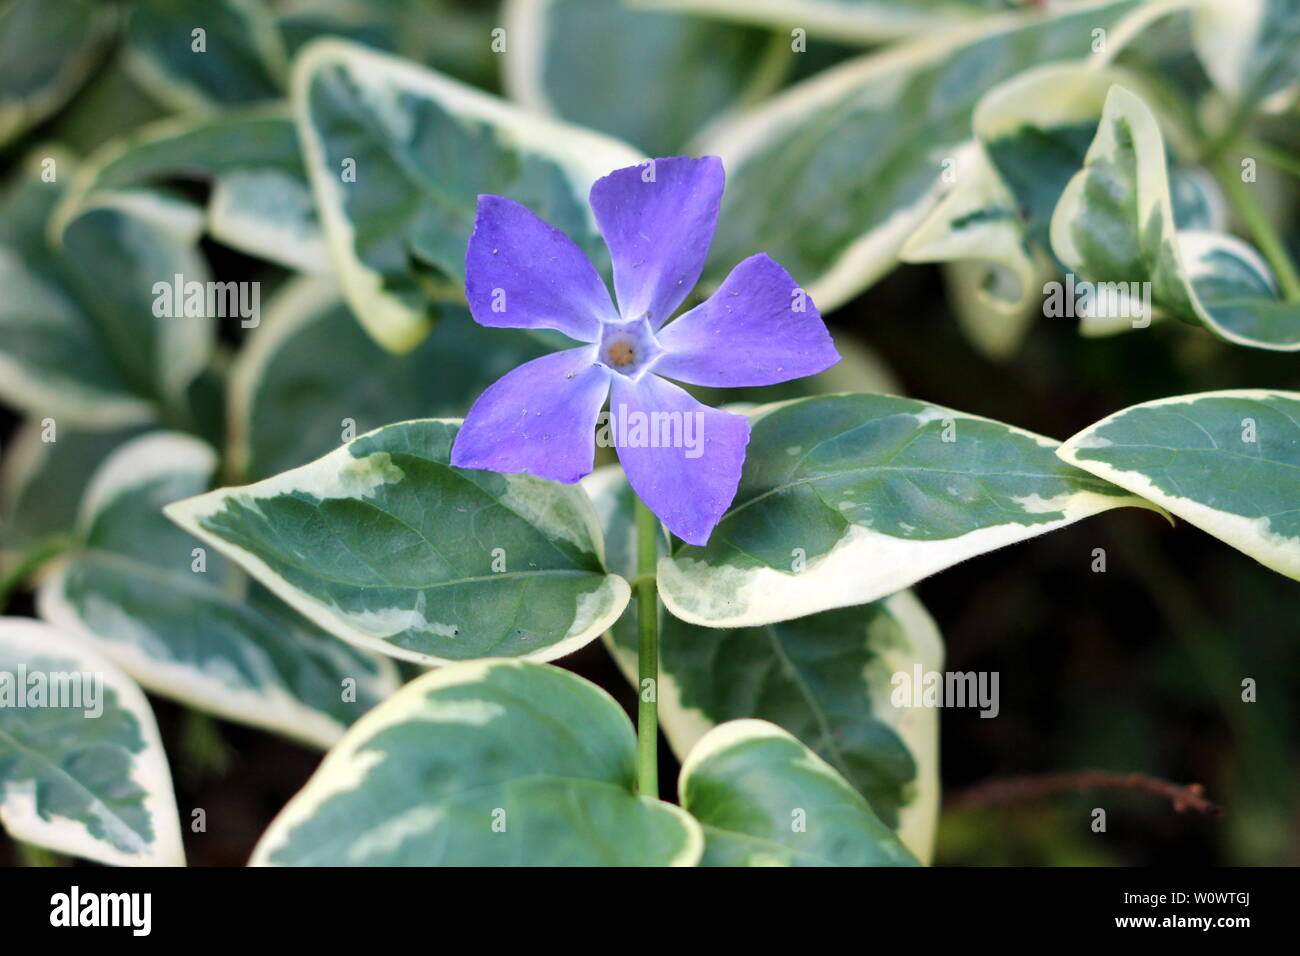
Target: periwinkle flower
point(681, 457)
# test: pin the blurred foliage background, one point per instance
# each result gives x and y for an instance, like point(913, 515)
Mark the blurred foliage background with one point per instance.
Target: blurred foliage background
point(1135, 669)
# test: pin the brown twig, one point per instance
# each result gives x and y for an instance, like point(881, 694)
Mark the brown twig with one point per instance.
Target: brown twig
point(1184, 797)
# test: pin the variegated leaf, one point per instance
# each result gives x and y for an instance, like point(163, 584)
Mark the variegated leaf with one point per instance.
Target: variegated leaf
point(187, 625)
point(993, 274)
point(832, 176)
point(41, 480)
point(846, 499)
point(48, 47)
point(452, 35)
point(490, 763)
point(206, 54)
point(384, 544)
point(81, 337)
point(398, 156)
point(1228, 462)
point(295, 387)
point(860, 21)
point(260, 201)
point(1033, 133)
point(700, 68)
point(825, 678)
point(764, 799)
point(82, 770)
point(1250, 49)
point(1115, 226)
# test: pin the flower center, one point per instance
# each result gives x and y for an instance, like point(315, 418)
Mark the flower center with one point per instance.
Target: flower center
point(629, 348)
point(621, 354)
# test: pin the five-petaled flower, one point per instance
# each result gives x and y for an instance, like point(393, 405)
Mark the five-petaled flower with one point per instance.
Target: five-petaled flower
point(657, 219)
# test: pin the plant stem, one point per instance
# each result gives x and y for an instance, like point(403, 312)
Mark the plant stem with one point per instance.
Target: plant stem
point(29, 854)
point(647, 616)
point(1183, 797)
point(1278, 158)
point(1266, 237)
point(31, 562)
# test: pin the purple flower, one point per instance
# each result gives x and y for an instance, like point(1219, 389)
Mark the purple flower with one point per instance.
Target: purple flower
point(682, 458)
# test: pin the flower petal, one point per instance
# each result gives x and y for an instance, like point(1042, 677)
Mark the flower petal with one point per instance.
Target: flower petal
point(759, 328)
point(688, 486)
point(523, 273)
point(539, 419)
point(657, 219)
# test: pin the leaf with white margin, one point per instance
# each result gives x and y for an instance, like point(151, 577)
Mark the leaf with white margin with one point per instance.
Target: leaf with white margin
point(260, 201)
point(869, 494)
point(993, 321)
point(423, 147)
point(701, 68)
point(48, 47)
point(1036, 128)
point(1034, 131)
point(854, 21)
point(825, 678)
point(764, 799)
point(1115, 226)
point(89, 780)
point(831, 176)
point(41, 481)
point(203, 638)
point(447, 33)
point(991, 273)
point(79, 340)
point(1228, 462)
point(489, 763)
point(243, 60)
point(386, 545)
point(295, 384)
point(1250, 49)
point(1033, 134)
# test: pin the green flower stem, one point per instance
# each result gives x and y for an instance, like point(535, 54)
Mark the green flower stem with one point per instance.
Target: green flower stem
point(37, 557)
point(1265, 236)
point(647, 615)
point(1278, 158)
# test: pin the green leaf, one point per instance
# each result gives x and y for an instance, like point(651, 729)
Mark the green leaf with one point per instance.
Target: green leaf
point(111, 106)
point(1036, 129)
point(993, 273)
point(41, 480)
point(868, 494)
point(453, 35)
point(994, 319)
point(833, 175)
point(491, 763)
point(241, 59)
point(184, 623)
point(48, 48)
point(79, 337)
point(857, 21)
point(825, 678)
point(764, 799)
point(397, 229)
point(1251, 50)
point(385, 545)
point(1115, 226)
point(662, 75)
point(84, 773)
point(1032, 134)
point(260, 202)
point(1228, 462)
point(295, 386)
